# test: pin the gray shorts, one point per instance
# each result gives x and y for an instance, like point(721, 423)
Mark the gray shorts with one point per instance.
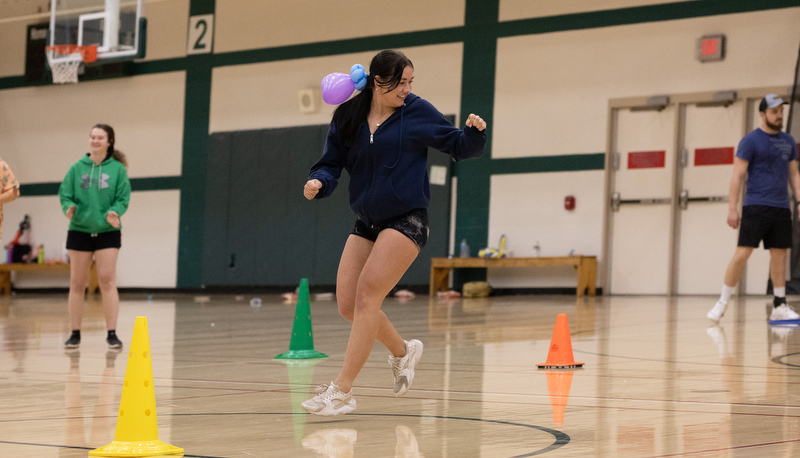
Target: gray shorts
point(413, 225)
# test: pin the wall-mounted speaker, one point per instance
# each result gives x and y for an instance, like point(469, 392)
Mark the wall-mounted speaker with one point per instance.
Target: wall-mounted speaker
point(308, 100)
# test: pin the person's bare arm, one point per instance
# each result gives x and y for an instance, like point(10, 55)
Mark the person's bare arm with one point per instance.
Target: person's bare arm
point(9, 195)
point(794, 181)
point(738, 179)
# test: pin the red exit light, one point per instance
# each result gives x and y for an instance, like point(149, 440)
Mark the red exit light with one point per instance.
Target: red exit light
point(711, 47)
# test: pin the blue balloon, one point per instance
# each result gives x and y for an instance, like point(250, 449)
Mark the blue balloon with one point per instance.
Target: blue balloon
point(357, 74)
point(336, 88)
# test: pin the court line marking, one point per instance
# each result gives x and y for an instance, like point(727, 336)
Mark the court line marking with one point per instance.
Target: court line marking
point(561, 438)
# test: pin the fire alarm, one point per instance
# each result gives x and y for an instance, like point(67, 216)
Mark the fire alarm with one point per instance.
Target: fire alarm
point(569, 203)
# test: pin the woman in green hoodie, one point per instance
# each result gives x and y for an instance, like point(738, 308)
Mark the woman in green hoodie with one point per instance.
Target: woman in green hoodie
point(94, 195)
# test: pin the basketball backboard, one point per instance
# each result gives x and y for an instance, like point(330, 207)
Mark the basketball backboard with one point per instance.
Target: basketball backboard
point(116, 27)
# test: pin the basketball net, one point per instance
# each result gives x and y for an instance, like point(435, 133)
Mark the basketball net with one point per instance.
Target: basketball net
point(66, 60)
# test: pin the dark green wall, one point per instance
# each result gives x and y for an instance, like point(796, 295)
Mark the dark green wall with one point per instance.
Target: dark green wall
point(259, 230)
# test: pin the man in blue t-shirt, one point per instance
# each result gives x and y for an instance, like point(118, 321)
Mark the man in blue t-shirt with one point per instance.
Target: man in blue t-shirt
point(769, 159)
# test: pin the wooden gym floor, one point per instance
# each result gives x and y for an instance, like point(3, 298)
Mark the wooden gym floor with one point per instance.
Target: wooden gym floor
point(658, 380)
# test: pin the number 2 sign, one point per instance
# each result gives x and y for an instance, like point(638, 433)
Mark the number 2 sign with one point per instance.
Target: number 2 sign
point(201, 34)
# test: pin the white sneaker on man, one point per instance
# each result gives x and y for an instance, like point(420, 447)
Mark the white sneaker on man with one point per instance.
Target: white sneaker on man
point(717, 311)
point(403, 367)
point(330, 401)
point(783, 312)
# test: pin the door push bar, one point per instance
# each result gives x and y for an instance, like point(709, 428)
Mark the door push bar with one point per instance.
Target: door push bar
point(616, 201)
point(685, 199)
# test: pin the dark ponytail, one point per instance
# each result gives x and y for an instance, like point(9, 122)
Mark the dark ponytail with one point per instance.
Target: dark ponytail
point(116, 154)
point(389, 66)
point(349, 115)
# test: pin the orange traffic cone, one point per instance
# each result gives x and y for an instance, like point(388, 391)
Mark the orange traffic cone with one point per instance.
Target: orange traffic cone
point(558, 385)
point(560, 355)
point(137, 427)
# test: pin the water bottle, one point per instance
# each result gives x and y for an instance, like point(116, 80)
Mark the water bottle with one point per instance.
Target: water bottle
point(41, 254)
point(464, 248)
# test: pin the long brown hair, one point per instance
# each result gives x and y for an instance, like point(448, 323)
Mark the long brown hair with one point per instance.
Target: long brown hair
point(115, 153)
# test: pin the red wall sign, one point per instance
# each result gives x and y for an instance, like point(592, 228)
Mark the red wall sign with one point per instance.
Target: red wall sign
point(713, 156)
point(646, 159)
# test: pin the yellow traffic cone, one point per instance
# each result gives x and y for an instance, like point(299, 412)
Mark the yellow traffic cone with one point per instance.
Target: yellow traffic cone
point(137, 426)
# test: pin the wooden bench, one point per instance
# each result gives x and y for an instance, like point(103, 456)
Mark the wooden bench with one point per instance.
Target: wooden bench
point(6, 269)
point(585, 265)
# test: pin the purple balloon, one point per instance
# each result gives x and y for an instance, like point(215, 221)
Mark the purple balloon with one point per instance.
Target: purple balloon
point(336, 88)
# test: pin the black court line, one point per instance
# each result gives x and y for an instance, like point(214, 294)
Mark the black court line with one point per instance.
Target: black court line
point(561, 438)
point(779, 360)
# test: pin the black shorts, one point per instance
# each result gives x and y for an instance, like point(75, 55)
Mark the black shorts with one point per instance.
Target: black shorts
point(773, 225)
point(413, 225)
point(84, 241)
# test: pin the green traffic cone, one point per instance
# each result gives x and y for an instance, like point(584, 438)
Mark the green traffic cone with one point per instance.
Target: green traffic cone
point(302, 344)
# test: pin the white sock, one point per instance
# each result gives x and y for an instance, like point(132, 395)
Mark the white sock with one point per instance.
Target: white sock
point(779, 292)
point(727, 292)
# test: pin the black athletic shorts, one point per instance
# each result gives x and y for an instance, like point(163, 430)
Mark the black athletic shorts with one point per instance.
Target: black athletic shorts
point(773, 225)
point(413, 225)
point(84, 241)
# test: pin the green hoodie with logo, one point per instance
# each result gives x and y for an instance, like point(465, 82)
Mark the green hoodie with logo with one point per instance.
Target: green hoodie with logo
point(95, 190)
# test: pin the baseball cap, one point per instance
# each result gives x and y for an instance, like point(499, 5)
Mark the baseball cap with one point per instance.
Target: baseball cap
point(770, 101)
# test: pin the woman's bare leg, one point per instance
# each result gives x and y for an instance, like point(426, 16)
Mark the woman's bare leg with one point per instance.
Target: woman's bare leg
point(107, 278)
point(390, 257)
point(79, 264)
point(354, 257)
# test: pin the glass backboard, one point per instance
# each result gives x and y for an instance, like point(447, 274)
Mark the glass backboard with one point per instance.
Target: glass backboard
point(116, 27)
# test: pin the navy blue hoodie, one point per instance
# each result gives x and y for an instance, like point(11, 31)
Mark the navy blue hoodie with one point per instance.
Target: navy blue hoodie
point(388, 169)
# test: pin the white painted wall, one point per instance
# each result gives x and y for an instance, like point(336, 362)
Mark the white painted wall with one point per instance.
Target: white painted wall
point(525, 9)
point(553, 89)
point(264, 95)
point(529, 208)
point(270, 23)
point(149, 253)
point(46, 129)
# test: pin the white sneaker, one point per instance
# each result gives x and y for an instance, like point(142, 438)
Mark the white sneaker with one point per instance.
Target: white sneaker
point(783, 312)
point(716, 313)
point(403, 367)
point(330, 402)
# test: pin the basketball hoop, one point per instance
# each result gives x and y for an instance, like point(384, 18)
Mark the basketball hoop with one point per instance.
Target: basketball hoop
point(66, 60)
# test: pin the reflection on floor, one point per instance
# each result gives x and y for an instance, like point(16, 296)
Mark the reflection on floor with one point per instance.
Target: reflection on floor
point(659, 379)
